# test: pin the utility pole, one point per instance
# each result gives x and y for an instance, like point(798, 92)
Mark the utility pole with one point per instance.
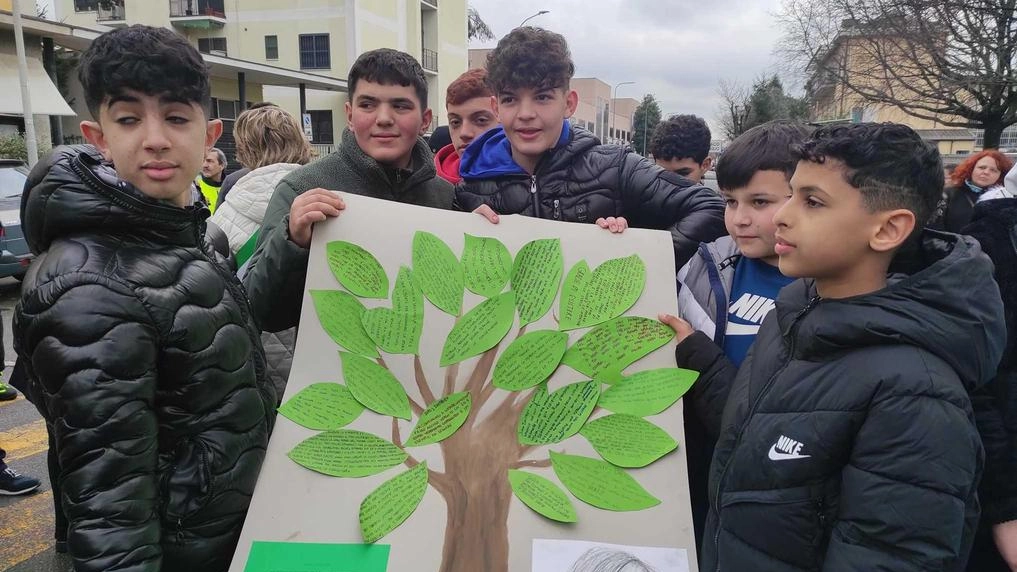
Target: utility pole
point(613, 98)
point(26, 100)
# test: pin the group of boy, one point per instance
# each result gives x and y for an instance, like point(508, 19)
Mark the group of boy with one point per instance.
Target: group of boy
point(846, 440)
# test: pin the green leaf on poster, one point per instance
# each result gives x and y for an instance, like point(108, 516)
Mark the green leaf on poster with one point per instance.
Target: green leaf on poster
point(392, 503)
point(322, 406)
point(542, 495)
point(397, 330)
point(340, 314)
point(648, 392)
point(601, 484)
point(536, 275)
point(628, 441)
point(347, 453)
point(480, 329)
point(357, 269)
point(605, 294)
point(487, 265)
point(529, 360)
point(441, 419)
point(552, 418)
point(374, 386)
point(613, 346)
point(438, 272)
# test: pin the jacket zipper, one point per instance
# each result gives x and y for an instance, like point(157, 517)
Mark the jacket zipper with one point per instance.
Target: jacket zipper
point(536, 197)
point(557, 209)
point(789, 335)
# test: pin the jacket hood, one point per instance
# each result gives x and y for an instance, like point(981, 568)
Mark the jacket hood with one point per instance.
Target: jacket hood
point(447, 163)
point(490, 155)
point(74, 190)
point(948, 305)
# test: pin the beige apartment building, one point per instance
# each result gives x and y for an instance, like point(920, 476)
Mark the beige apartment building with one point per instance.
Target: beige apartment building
point(599, 112)
point(321, 37)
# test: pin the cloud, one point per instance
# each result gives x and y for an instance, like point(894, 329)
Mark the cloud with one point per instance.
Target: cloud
point(679, 50)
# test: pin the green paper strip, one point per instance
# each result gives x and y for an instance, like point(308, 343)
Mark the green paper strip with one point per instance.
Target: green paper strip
point(605, 294)
point(374, 386)
point(438, 272)
point(628, 441)
point(480, 329)
point(392, 503)
point(553, 418)
point(601, 484)
point(340, 315)
point(357, 269)
point(347, 453)
point(316, 557)
point(648, 392)
point(536, 275)
point(529, 360)
point(322, 406)
point(487, 265)
point(398, 330)
point(541, 495)
point(613, 346)
point(441, 419)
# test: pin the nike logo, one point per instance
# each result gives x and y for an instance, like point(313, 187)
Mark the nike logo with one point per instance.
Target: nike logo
point(785, 449)
point(734, 329)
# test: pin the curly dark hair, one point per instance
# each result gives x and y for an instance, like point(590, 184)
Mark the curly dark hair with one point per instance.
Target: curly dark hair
point(766, 147)
point(679, 137)
point(389, 67)
point(530, 57)
point(889, 164)
point(153, 61)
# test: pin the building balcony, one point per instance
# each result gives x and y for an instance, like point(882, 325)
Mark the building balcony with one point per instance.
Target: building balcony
point(111, 14)
point(429, 60)
point(203, 14)
point(429, 4)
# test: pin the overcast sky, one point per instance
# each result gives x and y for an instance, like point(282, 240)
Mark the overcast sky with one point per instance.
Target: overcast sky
point(677, 50)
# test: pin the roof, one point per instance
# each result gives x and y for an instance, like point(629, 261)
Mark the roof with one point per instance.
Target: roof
point(947, 134)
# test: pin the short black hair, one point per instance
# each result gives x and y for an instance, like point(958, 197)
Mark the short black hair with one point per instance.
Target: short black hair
point(389, 67)
point(766, 147)
point(530, 58)
point(890, 165)
point(153, 61)
point(680, 137)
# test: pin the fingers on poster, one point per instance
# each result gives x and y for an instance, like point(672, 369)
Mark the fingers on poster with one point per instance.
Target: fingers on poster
point(593, 299)
point(581, 556)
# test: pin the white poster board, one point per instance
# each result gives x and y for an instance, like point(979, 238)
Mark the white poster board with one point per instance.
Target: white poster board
point(294, 504)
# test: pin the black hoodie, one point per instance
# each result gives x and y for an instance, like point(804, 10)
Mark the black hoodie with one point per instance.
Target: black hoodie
point(848, 440)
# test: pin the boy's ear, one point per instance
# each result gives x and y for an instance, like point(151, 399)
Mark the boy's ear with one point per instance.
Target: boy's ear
point(428, 117)
point(212, 132)
point(349, 114)
point(92, 132)
point(571, 103)
point(706, 164)
point(897, 225)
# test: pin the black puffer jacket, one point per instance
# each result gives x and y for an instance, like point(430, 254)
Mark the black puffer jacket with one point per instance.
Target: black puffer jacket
point(848, 440)
point(143, 357)
point(581, 180)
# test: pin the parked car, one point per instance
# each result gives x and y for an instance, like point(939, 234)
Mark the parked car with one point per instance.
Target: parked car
point(14, 254)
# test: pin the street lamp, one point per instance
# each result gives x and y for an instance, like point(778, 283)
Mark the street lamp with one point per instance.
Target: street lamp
point(613, 98)
point(541, 13)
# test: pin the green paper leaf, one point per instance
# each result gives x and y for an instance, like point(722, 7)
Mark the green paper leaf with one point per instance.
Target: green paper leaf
point(480, 329)
point(529, 360)
point(438, 272)
point(613, 346)
point(374, 386)
point(605, 294)
point(357, 269)
point(558, 416)
point(347, 453)
point(316, 557)
point(397, 330)
point(340, 315)
point(392, 503)
point(441, 419)
point(536, 275)
point(542, 496)
point(322, 406)
point(487, 265)
point(628, 441)
point(601, 484)
point(648, 392)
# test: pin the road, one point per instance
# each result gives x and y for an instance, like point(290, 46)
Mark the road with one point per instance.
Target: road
point(26, 522)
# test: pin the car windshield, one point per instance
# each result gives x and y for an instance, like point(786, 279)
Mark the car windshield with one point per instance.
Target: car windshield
point(12, 182)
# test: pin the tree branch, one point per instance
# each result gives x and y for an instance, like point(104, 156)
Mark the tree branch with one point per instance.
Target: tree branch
point(540, 463)
point(418, 374)
point(438, 480)
point(451, 375)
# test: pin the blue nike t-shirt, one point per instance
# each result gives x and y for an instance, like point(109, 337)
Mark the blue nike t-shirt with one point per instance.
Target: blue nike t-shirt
point(753, 295)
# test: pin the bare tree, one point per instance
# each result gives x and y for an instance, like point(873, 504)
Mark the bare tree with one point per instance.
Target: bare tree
point(476, 28)
point(951, 61)
point(733, 108)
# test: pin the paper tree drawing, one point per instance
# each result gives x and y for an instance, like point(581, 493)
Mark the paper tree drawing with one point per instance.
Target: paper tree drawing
point(511, 449)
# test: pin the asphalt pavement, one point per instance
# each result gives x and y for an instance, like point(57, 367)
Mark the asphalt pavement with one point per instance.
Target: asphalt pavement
point(26, 522)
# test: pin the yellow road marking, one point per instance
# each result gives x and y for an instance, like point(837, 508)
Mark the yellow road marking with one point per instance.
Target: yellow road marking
point(30, 532)
point(24, 441)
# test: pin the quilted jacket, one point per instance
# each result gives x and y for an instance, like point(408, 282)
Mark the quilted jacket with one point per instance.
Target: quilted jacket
point(143, 357)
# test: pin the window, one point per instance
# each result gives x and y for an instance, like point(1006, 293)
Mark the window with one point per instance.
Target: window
point(224, 108)
point(212, 46)
point(86, 5)
point(321, 126)
point(271, 47)
point(314, 52)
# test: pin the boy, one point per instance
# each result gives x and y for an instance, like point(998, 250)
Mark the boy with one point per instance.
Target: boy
point(139, 349)
point(682, 145)
point(381, 155)
point(731, 284)
point(537, 164)
point(470, 105)
point(848, 441)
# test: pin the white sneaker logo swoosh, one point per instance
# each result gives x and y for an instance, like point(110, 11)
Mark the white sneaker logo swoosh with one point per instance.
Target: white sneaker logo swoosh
point(786, 449)
point(778, 456)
